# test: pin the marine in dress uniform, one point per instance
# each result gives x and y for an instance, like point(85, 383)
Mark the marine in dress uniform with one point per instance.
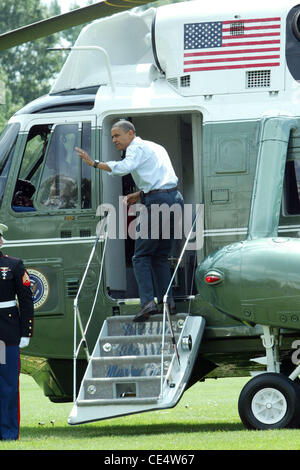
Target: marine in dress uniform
point(16, 329)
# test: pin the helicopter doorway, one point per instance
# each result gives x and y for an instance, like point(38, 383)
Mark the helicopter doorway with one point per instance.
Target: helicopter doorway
point(180, 135)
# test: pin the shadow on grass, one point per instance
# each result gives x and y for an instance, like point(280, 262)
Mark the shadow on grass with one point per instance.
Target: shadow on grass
point(94, 430)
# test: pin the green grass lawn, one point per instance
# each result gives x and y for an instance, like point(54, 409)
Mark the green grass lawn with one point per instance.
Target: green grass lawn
point(206, 418)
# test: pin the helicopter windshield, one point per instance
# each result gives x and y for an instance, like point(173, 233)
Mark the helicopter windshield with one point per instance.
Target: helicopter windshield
point(51, 176)
point(8, 140)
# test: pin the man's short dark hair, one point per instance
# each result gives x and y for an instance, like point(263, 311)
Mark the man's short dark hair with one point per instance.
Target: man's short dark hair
point(124, 125)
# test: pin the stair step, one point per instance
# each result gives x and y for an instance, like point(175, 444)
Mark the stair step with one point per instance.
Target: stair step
point(117, 401)
point(123, 325)
point(129, 366)
point(123, 359)
point(122, 387)
point(140, 345)
point(118, 385)
point(121, 379)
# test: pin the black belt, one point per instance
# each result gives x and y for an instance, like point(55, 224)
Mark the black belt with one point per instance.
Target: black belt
point(160, 191)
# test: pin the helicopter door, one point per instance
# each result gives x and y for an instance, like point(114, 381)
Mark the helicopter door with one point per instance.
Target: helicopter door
point(53, 209)
point(180, 134)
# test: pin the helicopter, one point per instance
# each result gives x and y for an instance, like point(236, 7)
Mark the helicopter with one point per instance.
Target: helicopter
point(218, 86)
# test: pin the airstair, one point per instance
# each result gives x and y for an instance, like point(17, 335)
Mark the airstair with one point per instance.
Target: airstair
point(131, 370)
point(134, 367)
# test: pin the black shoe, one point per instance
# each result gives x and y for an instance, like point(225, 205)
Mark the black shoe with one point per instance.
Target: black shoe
point(172, 307)
point(148, 309)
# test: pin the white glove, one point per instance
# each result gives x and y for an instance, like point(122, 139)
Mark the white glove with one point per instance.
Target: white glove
point(24, 342)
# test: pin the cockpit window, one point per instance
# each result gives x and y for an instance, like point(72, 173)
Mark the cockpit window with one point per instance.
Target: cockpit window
point(52, 176)
point(8, 140)
point(59, 183)
point(30, 170)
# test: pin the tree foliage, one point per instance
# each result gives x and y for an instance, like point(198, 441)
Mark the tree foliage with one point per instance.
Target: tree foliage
point(29, 69)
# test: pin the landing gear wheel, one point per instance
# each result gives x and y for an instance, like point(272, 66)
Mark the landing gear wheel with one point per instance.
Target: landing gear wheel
point(270, 401)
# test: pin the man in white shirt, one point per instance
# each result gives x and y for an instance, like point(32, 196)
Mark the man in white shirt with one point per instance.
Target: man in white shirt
point(153, 173)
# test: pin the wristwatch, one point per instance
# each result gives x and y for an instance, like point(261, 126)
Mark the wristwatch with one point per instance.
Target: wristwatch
point(96, 163)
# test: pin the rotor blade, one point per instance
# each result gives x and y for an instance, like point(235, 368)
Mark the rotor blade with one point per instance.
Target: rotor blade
point(66, 20)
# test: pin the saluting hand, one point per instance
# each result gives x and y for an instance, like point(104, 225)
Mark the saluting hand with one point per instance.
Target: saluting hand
point(84, 156)
point(87, 159)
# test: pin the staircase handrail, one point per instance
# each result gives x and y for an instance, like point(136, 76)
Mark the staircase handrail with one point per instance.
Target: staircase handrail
point(77, 317)
point(166, 312)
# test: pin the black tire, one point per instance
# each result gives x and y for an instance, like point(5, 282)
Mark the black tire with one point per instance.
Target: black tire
point(270, 401)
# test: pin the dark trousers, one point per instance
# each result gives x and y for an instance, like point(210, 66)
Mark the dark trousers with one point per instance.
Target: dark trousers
point(151, 253)
point(9, 394)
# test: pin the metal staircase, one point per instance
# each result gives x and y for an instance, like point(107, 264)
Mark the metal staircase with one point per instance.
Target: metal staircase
point(133, 367)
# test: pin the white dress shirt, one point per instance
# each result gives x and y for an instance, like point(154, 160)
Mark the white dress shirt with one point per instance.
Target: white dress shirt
point(149, 165)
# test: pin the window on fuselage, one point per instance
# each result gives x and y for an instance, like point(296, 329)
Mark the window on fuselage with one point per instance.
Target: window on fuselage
point(292, 188)
point(8, 141)
point(52, 177)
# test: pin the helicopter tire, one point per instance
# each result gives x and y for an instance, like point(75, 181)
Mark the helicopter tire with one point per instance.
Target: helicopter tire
point(270, 401)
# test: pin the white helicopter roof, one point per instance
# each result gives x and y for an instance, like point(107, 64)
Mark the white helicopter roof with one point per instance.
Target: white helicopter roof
point(132, 42)
point(126, 37)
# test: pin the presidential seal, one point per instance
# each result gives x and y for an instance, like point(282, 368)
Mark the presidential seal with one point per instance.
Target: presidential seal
point(39, 286)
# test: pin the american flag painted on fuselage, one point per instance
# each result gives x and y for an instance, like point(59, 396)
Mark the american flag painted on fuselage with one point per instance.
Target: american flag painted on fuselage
point(222, 45)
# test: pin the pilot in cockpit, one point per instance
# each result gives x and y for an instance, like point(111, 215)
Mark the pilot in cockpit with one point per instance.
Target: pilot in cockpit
point(22, 200)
